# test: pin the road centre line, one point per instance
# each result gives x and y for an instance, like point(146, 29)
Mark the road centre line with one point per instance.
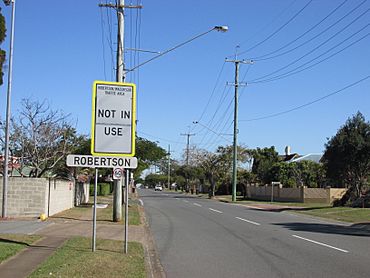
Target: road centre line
point(320, 243)
point(215, 210)
point(251, 222)
point(196, 204)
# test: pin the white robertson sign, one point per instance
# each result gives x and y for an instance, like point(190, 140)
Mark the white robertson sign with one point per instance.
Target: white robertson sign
point(113, 119)
point(101, 161)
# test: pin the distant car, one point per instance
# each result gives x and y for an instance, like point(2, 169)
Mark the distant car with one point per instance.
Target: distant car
point(158, 188)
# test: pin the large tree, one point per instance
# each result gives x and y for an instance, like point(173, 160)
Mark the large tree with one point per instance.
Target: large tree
point(263, 161)
point(148, 154)
point(217, 166)
point(41, 137)
point(347, 155)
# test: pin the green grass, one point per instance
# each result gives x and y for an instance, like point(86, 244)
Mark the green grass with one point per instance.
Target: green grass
point(12, 244)
point(240, 200)
point(346, 214)
point(75, 259)
point(107, 213)
point(84, 212)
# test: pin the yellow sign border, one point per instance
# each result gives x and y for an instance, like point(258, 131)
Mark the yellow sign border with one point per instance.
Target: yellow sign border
point(133, 123)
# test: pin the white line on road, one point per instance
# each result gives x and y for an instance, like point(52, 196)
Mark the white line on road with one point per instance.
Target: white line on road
point(186, 201)
point(215, 210)
point(198, 205)
point(320, 243)
point(245, 220)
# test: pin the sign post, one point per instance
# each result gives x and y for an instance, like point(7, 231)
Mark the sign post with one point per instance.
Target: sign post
point(112, 139)
point(94, 210)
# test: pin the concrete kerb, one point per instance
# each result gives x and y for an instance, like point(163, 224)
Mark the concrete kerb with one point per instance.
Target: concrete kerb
point(152, 261)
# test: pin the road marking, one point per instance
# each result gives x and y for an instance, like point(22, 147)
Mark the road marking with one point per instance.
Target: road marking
point(176, 198)
point(215, 210)
point(198, 205)
point(320, 243)
point(245, 220)
point(186, 201)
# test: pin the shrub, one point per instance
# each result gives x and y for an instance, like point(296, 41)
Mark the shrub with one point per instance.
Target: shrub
point(102, 190)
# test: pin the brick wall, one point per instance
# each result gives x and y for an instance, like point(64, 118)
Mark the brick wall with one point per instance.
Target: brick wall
point(299, 194)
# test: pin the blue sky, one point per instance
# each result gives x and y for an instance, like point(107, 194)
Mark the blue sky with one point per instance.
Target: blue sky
point(61, 47)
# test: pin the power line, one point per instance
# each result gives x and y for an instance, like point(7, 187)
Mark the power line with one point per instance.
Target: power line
point(296, 71)
point(259, 31)
point(279, 29)
point(308, 103)
point(312, 50)
point(160, 138)
point(102, 40)
point(267, 56)
point(213, 91)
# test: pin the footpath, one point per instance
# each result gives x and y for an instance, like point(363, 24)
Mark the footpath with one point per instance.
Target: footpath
point(60, 228)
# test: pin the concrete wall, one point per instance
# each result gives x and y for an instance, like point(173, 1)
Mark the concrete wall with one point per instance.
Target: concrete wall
point(33, 196)
point(61, 196)
point(26, 196)
point(299, 194)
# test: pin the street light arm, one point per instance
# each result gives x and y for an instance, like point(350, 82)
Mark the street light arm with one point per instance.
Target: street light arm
point(217, 28)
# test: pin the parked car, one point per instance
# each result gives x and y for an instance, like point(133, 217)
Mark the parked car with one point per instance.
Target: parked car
point(158, 187)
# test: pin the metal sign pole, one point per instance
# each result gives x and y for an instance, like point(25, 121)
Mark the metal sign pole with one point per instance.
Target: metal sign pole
point(94, 210)
point(126, 209)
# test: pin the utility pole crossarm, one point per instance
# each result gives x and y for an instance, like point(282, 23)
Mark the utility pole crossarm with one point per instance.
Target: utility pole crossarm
point(111, 5)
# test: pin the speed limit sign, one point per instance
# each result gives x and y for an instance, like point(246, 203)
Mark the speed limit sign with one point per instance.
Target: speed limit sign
point(117, 173)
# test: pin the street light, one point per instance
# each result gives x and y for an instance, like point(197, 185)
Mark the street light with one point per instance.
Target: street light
point(6, 160)
point(222, 29)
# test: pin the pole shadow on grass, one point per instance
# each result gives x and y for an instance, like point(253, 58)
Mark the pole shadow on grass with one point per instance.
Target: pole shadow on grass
point(14, 241)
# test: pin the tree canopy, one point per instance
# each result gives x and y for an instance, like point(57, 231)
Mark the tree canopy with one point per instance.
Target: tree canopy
point(41, 137)
point(347, 155)
point(148, 153)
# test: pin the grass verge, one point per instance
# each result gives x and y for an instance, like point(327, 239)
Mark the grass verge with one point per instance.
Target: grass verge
point(11, 244)
point(84, 212)
point(75, 259)
point(345, 214)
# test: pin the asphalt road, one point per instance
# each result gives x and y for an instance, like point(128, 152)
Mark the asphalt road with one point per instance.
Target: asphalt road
point(204, 238)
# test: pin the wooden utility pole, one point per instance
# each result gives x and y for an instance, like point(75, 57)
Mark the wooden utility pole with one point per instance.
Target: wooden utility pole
point(187, 153)
point(236, 84)
point(120, 77)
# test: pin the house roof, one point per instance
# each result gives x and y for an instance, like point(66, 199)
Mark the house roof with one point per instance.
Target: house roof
point(315, 157)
